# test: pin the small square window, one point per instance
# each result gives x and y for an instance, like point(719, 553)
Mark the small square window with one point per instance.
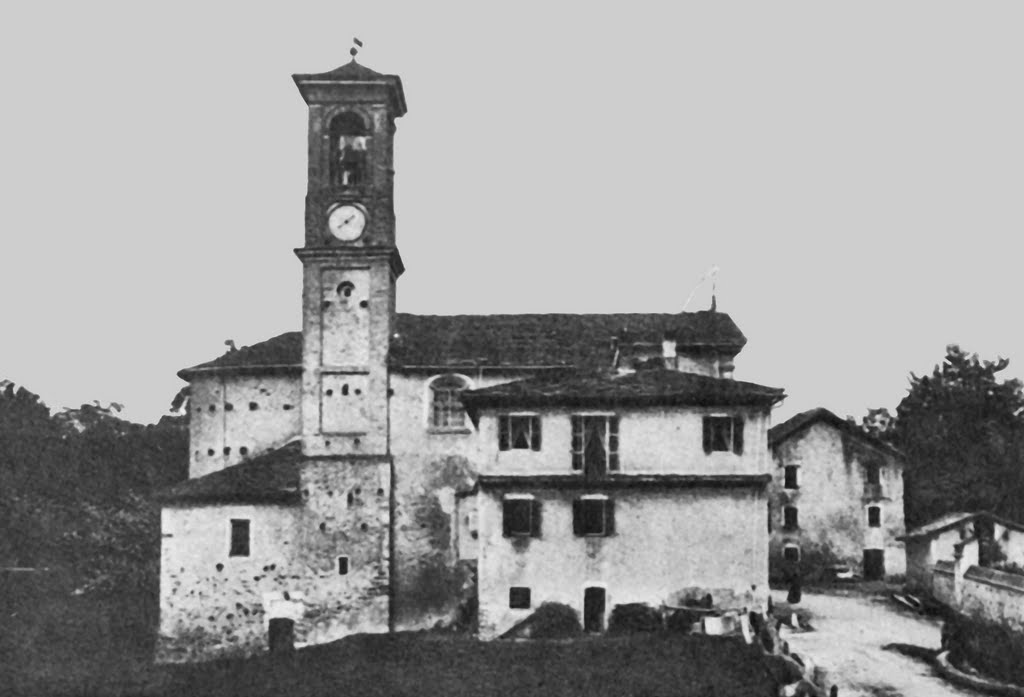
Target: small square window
point(519, 432)
point(791, 553)
point(519, 598)
point(873, 474)
point(789, 518)
point(342, 566)
point(874, 517)
point(239, 538)
point(791, 477)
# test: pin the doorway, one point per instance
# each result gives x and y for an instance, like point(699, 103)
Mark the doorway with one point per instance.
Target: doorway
point(874, 564)
point(593, 609)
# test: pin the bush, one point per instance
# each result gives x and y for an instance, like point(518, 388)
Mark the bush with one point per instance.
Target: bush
point(554, 621)
point(682, 621)
point(634, 617)
point(993, 649)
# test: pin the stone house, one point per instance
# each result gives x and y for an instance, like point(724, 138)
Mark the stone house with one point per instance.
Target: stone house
point(836, 498)
point(336, 479)
point(937, 543)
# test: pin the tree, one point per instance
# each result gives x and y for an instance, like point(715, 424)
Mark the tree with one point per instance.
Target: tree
point(963, 435)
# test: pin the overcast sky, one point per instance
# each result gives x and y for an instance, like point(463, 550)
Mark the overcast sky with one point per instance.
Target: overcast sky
point(855, 169)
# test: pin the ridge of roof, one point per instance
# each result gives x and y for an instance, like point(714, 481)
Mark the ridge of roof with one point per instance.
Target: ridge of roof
point(504, 341)
point(795, 424)
point(951, 520)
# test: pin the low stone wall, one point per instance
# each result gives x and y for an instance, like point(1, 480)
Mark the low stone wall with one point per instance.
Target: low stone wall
point(943, 583)
point(996, 596)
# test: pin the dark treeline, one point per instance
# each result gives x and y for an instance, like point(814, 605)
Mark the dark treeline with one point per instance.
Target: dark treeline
point(75, 490)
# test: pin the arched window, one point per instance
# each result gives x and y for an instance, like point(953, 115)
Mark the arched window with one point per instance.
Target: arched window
point(349, 139)
point(445, 406)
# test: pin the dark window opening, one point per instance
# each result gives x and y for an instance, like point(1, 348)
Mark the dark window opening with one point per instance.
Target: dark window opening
point(521, 518)
point(593, 609)
point(593, 517)
point(342, 566)
point(345, 289)
point(518, 432)
point(595, 444)
point(874, 516)
point(349, 136)
point(790, 521)
point(791, 477)
point(239, 538)
point(874, 474)
point(519, 598)
point(723, 434)
point(791, 553)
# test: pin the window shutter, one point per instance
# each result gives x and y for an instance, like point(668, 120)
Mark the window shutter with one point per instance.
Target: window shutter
point(535, 518)
point(609, 517)
point(535, 433)
point(503, 432)
point(506, 518)
point(707, 436)
point(577, 517)
point(737, 435)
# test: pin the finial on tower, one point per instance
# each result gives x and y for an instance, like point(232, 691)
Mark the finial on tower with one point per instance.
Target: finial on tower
point(353, 51)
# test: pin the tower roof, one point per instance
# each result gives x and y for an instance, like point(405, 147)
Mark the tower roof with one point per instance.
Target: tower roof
point(316, 87)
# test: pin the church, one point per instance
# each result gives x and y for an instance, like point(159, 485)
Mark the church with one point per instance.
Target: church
point(380, 471)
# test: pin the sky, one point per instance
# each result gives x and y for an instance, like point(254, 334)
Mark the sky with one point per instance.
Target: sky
point(854, 169)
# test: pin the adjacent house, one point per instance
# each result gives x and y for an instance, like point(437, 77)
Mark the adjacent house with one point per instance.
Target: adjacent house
point(836, 498)
point(936, 544)
point(381, 471)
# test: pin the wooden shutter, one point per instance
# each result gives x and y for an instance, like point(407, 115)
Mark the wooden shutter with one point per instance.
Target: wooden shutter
point(535, 518)
point(707, 435)
point(613, 443)
point(609, 517)
point(534, 433)
point(503, 432)
point(577, 517)
point(577, 442)
point(737, 435)
point(506, 518)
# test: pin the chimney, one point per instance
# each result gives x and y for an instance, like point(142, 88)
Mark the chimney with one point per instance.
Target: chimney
point(726, 367)
point(668, 352)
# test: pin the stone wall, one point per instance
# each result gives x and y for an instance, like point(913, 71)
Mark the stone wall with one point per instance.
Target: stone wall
point(236, 417)
point(995, 596)
point(213, 604)
point(665, 541)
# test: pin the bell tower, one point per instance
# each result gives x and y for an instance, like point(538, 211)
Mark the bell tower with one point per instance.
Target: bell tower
point(350, 260)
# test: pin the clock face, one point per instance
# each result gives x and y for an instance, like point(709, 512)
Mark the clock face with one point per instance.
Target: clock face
point(347, 222)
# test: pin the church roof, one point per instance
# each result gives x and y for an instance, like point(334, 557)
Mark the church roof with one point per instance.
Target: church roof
point(270, 478)
point(506, 341)
point(353, 72)
point(606, 389)
point(796, 424)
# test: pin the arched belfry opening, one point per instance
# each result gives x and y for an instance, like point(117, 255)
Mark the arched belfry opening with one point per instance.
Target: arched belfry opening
point(349, 143)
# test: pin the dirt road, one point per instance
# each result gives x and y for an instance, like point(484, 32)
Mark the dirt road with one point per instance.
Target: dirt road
point(849, 633)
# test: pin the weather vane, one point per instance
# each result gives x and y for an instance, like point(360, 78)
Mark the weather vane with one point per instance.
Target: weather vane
point(353, 51)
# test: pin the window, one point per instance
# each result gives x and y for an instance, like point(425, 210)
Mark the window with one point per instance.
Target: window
point(445, 406)
point(723, 434)
point(791, 477)
point(521, 517)
point(239, 538)
point(595, 444)
point(874, 517)
point(519, 432)
point(791, 553)
point(342, 566)
point(873, 474)
point(519, 598)
point(789, 517)
point(593, 516)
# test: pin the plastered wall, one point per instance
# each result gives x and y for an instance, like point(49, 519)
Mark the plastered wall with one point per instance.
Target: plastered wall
point(235, 418)
point(213, 604)
point(665, 541)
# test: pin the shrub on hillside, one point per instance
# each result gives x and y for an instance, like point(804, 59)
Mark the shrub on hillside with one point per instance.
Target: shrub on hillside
point(993, 649)
point(554, 621)
point(634, 617)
